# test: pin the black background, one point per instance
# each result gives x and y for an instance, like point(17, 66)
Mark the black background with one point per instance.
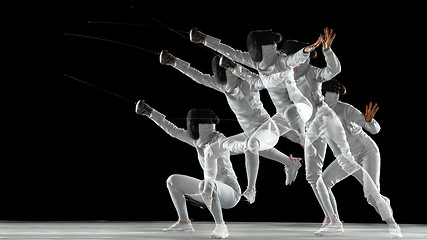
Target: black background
point(83, 154)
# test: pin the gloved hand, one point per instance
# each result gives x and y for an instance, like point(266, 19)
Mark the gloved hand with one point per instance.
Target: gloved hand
point(196, 36)
point(166, 58)
point(227, 63)
point(142, 108)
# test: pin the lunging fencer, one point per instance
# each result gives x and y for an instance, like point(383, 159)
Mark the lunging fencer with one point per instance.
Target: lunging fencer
point(362, 146)
point(259, 130)
point(219, 189)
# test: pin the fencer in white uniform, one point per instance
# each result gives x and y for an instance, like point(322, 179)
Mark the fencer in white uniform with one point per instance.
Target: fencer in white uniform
point(264, 57)
point(219, 188)
point(244, 100)
point(362, 146)
point(323, 127)
point(326, 127)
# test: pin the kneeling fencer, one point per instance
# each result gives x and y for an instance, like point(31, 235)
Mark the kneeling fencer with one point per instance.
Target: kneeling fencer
point(364, 150)
point(219, 189)
point(260, 131)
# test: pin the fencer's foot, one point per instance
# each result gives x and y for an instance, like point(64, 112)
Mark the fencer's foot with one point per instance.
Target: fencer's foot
point(249, 194)
point(292, 170)
point(220, 231)
point(166, 58)
point(331, 229)
point(180, 226)
point(227, 63)
point(394, 230)
point(196, 36)
point(325, 222)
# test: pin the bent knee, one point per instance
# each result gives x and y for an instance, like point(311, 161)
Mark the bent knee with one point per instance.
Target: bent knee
point(312, 177)
point(254, 145)
point(171, 180)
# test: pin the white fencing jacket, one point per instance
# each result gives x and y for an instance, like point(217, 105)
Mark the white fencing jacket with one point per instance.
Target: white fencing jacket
point(282, 63)
point(244, 99)
point(224, 172)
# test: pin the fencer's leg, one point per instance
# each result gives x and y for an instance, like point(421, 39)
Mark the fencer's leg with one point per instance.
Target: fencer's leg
point(215, 187)
point(333, 202)
point(215, 209)
point(381, 204)
point(292, 165)
point(265, 137)
point(371, 162)
point(276, 155)
point(331, 176)
point(305, 109)
point(294, 120)
point(314, 164)
point(252, 166)
point(336, 138)
point(324, 196)
point(335, 226)
point(313, 168)
point(178, 185)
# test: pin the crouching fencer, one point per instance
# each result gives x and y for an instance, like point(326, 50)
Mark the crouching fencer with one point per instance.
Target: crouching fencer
point(260, 131)
point(264, 57)
point(364, 150)
point(219, 189)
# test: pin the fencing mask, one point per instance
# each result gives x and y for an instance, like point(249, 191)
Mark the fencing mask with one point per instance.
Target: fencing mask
point(334, 86)
point(256, 39)
point(195, 117)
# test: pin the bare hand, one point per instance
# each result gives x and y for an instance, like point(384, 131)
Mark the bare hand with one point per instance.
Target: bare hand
point(311, 48)
point(370, 112)
point(329, 37)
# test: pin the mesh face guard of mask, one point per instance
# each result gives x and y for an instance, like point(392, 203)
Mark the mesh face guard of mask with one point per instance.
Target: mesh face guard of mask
point(256, 39)
point(199, 116)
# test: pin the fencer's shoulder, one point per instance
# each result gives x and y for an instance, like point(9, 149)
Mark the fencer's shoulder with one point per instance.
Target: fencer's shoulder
point(345, 105)
point(312, 68)
point(217, 136)
point(342, 105)
point(346, 108)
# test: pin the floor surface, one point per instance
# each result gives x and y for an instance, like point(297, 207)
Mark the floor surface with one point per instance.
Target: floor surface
point(153, 230)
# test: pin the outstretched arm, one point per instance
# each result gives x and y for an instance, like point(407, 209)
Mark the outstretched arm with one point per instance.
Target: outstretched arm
point(246, 75)
point(181, 134)
point(184, 67)
point(215, 44)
